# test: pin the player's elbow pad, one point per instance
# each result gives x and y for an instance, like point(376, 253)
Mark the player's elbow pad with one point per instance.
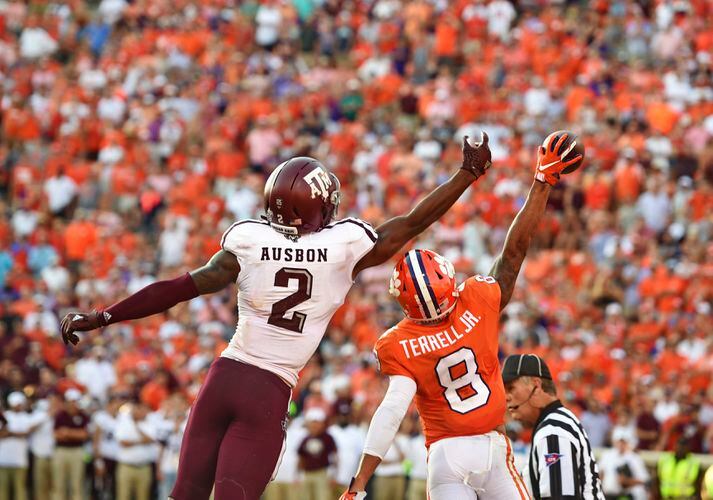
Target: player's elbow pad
point(388, 416)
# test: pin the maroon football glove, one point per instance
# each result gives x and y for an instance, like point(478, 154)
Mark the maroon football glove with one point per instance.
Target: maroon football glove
point(476, 160)
point(81, 322)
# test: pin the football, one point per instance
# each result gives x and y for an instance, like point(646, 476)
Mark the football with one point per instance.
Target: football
point(576, 145)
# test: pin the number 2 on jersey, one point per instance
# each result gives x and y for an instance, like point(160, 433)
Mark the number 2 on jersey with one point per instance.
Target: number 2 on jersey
point(304, 291)
point(465, 391)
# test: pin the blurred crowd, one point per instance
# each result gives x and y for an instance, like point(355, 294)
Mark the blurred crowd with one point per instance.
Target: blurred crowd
point(132, 133)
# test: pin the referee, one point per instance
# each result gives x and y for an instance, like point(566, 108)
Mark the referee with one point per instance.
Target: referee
point(562, 464)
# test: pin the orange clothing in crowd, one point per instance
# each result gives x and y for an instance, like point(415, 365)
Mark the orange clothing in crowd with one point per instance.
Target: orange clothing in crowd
point(79, 237)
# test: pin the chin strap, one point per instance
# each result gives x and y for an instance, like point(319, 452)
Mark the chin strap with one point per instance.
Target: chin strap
point(437, 319)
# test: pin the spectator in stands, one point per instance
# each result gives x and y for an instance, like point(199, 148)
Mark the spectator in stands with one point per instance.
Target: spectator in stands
point(687, 424)
point(14, 447)
point(317, 453)
point(61, 191)
point(42, 445)
point(390, 476)
point(71, 432)
point(96, 373)
point(596, 422)
point(623, 472)
point(174, 417)
point(135, 434)
point(349, 440)
point(105, 447)
point(666, 407)
point(647, 426)
point(417, 456)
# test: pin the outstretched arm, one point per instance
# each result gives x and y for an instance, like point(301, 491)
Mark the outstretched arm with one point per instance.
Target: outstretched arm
point(396, 232)
point(549, 166)
point(219, 272)
point(507, 265)
point(382, 430)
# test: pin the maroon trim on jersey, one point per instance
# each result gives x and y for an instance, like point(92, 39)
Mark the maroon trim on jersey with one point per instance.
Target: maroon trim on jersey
point(369, 232)
point(236, 224)
point(152, 299)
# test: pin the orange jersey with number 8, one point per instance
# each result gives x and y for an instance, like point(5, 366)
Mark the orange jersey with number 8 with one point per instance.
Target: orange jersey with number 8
point(454, 363)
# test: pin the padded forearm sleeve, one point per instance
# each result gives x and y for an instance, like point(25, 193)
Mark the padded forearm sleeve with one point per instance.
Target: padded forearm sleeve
point(387, 418)
point(153, 299)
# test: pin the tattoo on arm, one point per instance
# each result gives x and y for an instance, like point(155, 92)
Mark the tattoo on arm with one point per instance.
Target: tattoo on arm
point(220, 271)
point(505, 272)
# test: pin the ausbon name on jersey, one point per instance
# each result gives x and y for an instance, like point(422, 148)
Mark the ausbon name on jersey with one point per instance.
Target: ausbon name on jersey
point(454, 363)
point(288, 290)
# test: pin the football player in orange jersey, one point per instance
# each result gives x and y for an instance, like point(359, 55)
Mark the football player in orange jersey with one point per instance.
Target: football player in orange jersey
point(445, 353)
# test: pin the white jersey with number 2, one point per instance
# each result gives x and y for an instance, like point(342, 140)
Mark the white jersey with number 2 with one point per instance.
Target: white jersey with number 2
point(289, 290)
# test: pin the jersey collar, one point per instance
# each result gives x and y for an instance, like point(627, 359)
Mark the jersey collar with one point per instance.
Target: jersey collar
point(554, 405)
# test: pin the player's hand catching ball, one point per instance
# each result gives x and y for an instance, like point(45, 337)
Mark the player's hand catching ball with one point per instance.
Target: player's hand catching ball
point(476, 160)
point(552, 158)
point(80, 322)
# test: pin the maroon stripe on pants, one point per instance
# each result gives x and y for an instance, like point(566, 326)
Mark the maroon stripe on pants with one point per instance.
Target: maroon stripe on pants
point(234, 434)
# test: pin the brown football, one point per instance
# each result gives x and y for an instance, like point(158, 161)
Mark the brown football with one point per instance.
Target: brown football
point(577, 149)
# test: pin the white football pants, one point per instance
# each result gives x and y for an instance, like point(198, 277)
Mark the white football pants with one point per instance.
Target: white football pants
point(474, 467)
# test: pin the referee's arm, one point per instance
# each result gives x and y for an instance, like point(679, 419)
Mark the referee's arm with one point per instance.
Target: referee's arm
point(557, 464)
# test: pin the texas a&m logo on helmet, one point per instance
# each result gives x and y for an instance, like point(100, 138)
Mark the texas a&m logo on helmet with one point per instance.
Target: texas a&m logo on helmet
point(424, 284)
point(301, 196)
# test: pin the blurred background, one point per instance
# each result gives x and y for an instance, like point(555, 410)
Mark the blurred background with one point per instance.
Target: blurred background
point(132, 133)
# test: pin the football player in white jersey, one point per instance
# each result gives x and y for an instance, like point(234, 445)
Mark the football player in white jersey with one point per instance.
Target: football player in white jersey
point(293, 271)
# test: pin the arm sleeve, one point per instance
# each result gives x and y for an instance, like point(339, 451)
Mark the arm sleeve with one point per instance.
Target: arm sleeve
point(152, 299)
point(387, 418)
point(557, 459)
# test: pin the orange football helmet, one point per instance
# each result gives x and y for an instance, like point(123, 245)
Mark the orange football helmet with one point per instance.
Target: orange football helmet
point(424, 284)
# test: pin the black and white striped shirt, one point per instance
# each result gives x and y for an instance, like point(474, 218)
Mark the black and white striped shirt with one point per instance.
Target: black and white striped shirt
point(562, 464)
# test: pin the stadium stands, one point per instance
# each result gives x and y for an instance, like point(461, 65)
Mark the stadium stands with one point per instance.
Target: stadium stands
point(133, 132)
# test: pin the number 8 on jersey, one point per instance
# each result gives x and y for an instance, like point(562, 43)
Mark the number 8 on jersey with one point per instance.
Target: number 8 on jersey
point(454, 387)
